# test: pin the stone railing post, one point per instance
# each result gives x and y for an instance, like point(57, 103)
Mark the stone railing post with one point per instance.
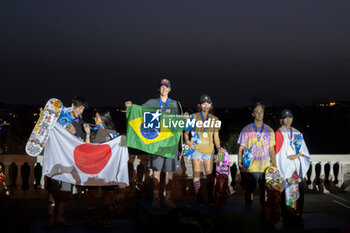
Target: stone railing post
point(31, 176)
point(19, 182)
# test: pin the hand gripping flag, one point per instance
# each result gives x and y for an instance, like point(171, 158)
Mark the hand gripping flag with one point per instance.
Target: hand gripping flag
point(68, 159)
point(153, 131)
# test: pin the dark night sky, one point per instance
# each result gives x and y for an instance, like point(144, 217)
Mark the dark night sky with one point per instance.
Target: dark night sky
point(282, 52)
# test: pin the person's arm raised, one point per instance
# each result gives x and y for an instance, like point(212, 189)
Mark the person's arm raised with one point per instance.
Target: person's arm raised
point(88, 132)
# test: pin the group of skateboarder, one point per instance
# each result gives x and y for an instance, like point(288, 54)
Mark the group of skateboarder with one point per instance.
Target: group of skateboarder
point(256, 140)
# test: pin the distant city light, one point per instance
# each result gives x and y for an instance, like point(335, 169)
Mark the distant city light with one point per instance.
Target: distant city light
point(331, 104)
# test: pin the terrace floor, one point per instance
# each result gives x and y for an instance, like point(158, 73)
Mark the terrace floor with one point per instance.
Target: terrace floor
point(322, 213)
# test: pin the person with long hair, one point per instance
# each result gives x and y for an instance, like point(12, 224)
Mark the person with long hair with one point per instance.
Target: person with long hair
point(104, 131)
point(209, 136)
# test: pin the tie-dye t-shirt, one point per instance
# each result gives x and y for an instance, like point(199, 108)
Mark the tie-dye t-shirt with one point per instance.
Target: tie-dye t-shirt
point(249, 138)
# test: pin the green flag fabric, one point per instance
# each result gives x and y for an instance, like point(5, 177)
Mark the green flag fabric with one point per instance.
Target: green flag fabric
point(153, 131)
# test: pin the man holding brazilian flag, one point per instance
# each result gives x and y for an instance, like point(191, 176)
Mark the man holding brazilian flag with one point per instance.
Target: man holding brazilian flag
point(155, 128)
point(153, 131)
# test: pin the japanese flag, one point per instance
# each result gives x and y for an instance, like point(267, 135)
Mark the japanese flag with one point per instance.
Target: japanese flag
point(68, 159)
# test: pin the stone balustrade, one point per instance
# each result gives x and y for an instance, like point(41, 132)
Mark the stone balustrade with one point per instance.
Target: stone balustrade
point(24, 179)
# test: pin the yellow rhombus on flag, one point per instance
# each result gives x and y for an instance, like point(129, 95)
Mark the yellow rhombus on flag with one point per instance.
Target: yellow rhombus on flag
point(161, 140)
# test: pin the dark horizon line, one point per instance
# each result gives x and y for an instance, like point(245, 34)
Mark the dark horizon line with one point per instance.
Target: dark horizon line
point(339, 103)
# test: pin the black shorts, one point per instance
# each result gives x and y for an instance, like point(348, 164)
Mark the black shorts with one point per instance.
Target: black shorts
point(251, 179)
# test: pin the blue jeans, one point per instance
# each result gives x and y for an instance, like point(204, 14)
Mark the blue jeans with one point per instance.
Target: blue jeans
point(199, 156)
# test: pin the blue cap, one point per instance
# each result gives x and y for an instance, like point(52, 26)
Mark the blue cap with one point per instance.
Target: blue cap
point(165, 82)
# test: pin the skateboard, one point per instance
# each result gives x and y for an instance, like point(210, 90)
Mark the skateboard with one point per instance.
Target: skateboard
point(221, 188)
point(247, 157)
point(292, 195)
point(195, 140)
point(66, 117)
point(43, 127)
point(298, 142)
point(272, 205)
point(3, 188)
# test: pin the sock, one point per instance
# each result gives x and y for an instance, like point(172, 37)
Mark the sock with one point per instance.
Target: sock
point(196, 185)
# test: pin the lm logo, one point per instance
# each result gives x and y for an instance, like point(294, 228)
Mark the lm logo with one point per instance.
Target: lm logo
point(151, 120)
point(150, 128)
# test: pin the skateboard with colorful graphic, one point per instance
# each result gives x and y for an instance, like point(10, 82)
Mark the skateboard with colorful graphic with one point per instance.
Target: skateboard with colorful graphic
point(3, 188)
point(272, 205)
point(43, 127)
point(292, 195)
point(66, 117)
point(195, 140)
point(247, 158)
point(221, 188)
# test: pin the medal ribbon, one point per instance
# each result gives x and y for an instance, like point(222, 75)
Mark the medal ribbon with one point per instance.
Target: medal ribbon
point(113, 135)
point(291, 137)
point(95, 127)
point(205, 129)
point(163, 106)
point(76, 120)
point(258, 134)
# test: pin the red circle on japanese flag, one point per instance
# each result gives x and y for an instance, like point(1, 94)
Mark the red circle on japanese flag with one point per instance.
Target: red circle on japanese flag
point(91, 159)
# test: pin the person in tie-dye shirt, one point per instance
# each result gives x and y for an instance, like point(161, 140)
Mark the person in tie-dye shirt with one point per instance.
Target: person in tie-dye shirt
point(260, 138)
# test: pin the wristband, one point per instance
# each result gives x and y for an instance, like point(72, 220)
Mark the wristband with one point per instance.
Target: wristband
point(88, 133)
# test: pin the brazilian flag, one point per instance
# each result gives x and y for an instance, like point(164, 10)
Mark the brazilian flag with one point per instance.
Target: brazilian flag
point(153, 131)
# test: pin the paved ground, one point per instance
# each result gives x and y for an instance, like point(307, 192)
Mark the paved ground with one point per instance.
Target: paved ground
point(323, 213)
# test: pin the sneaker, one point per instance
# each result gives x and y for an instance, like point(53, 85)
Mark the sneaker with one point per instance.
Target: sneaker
point(107, 222)
point(50, 221)
point(156, 204)
point(91, 221)
point(248, 200)
point(210, 200)
point(211, 203)
point(200, 200)
point(63, 221)
point(169, 203)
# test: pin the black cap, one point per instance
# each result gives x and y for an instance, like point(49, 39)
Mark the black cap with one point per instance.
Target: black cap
point(205, 98)
point(286, 113)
